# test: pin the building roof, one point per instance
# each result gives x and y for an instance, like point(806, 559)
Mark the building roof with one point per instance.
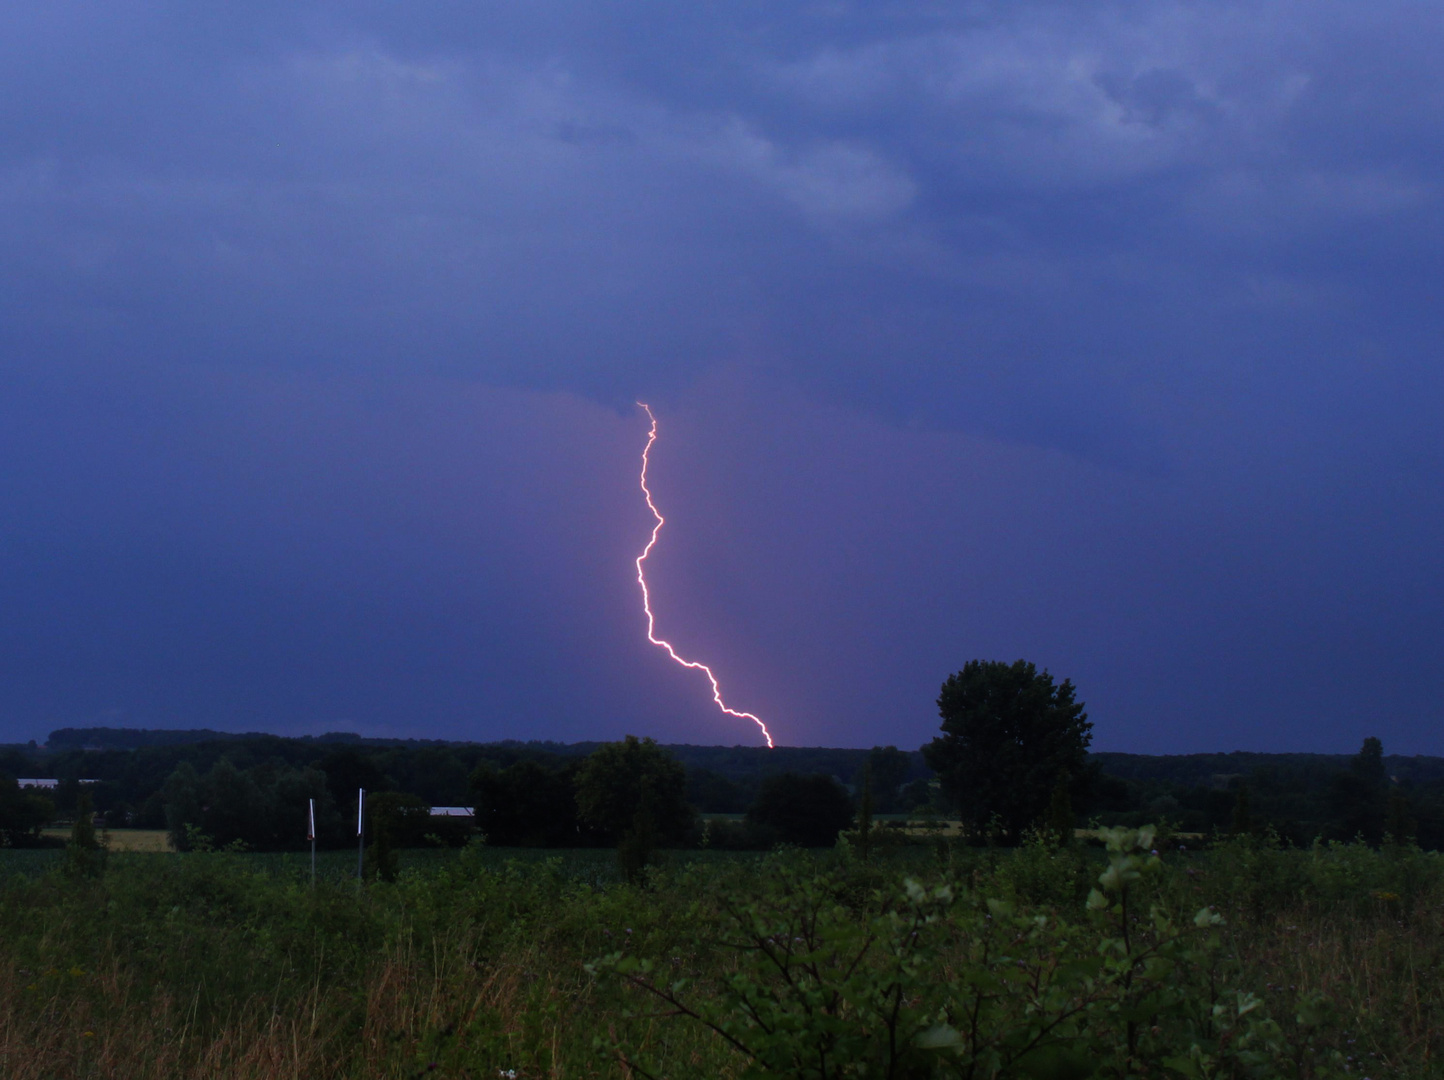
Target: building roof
point(48, 782)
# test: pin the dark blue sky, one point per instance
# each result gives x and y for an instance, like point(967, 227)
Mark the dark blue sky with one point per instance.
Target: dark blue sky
point(1104, 335)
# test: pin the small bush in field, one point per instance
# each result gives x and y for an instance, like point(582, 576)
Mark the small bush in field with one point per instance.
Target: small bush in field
point(85, 854)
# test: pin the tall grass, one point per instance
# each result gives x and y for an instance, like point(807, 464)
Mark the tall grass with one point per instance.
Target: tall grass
point(473, 963)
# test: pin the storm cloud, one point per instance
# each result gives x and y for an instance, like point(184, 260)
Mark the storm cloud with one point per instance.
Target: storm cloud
point(1102, 335)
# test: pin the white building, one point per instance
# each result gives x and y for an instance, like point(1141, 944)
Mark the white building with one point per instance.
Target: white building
point(35, 782)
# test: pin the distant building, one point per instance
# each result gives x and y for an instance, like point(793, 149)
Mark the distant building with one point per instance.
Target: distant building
point(453, 811)
point(35, 782)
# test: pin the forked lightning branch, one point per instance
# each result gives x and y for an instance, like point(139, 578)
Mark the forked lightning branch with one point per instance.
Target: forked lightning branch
point(647, 599)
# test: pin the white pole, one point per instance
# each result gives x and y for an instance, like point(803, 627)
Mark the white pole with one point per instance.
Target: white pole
point(360, 831)
point(311, 836)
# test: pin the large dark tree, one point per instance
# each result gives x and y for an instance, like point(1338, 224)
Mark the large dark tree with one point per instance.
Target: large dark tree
point(23, 813)
point(636, 793)
point(805, 810)
point(621, 781)
point(1360, 797)
point(634, 786)
point(393, 821)
point(1009, 734)
point(889, 768)
point(526, 805)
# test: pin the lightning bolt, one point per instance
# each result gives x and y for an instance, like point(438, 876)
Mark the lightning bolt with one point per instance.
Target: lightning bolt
point(647, 599)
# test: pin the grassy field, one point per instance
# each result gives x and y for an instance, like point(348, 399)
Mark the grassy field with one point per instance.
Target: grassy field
point(484, 963)
point(124, 839)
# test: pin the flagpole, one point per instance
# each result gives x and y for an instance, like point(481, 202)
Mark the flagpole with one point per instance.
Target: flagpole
point(360, 831)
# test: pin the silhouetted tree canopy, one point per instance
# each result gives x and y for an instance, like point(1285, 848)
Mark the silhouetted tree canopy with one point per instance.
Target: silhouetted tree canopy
point(1299, 795)
point(622, 783)
point(1362, 794)
point(889, 768)
point(393, 821)
point(1009, 733)
point(347, 772)
point(23, 813)
point(805, 810)
point(713, 793)
point(263, 808)
point(527, 805)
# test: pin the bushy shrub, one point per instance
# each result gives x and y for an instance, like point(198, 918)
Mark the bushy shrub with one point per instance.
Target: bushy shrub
point(720, 834)
point(942, 980)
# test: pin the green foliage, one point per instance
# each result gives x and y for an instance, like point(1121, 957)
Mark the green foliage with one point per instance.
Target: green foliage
point(1362, 795)
point(865, 806)
point(635, 793)
point(808, 811)
point(621, 780)
point(263, 808)
point(818, 990)
point(1300, 796)
point(1059, 824)
point(23, 813)
point(1041, 872)
point(527, 805)
point(472, 963)
point(85, 854)
point(1008, 732)
point(637, 848)
point(1241, 823)
point(349, 771)
point(1400, 826)
point(826, 983)
point(713, 793)
point(722, 835)
point(393, 821)
point(887, 768)
point(82, 831)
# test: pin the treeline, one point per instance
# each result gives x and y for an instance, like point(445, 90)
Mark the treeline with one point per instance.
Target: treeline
point(247, 788)
point(593, 800)
point(632, 795)
point(254, 792)
point(743, 764)
point(1299, 797)
point(130, 787)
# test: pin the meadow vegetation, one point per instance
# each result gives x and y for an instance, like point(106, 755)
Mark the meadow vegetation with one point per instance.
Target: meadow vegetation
point(922, 960)
point(588, 920)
